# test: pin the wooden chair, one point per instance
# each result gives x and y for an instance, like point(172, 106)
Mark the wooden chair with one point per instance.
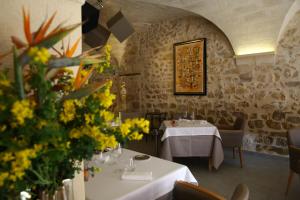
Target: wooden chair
point(232, 136)
point(184, 190)
point(155, 119)
point(130, 115)
point(293, 139)
point(177, 116)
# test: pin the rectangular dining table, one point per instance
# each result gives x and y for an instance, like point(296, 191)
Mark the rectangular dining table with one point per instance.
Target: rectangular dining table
point(191, 138)
point(108, 185)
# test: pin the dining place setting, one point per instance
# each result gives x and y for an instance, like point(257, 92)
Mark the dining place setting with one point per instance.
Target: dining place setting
point(127, 174)
point(150, 100)
point(133, 175)
point(191, 138)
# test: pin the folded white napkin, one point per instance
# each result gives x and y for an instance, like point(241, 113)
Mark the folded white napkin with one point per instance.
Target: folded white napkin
point(203, 122)
point(137, 176)
point(184, 120)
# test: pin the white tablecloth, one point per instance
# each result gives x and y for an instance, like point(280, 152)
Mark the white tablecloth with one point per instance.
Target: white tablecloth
point(188, 128)
point(108, 185)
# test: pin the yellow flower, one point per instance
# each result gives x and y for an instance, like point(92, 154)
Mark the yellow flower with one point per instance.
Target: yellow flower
point(100, 69)
point(108, 49)
point(39, 55)
point(75, 133)
point(6, 157)
point(135, 136)
point(3, 177)
point(89, 118)
point(41, 124)
point(4, 82)
point(144, 125)
point(69, 111)
point(107, 55)
point(33, 51)
point(80, 103)
point(105, 97)
point(21, 110)
point(20, 161)
point(125, 129)
point(106, 141)
point(2, 128)
point(83, 73)
point(107, 116)
point(93, 131)
point(141, 124)
point(2, 107)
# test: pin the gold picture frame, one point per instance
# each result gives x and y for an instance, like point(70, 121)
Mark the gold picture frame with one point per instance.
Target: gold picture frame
point(190, 67)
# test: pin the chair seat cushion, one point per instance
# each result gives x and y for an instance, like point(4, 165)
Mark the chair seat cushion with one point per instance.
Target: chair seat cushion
point(184, 191)
point(231, 138)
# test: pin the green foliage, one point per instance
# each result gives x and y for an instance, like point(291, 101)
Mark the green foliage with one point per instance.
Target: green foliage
point(18, 75)
point(47, 125)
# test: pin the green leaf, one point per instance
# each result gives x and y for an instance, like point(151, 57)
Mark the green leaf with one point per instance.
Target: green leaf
point(18, 75)
point(90, 61)
point(63, 62)
point(82, 92)
point(67, 62)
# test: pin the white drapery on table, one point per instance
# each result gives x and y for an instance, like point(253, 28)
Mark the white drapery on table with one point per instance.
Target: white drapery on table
point(108, 185)
point(188, 128)
point(192, 138)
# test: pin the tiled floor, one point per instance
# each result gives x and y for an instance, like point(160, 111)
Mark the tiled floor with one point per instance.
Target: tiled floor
point(265, 175)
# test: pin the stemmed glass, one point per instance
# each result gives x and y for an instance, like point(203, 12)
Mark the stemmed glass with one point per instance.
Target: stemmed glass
point(117, 152)
point(131, 166)
point(114, 154)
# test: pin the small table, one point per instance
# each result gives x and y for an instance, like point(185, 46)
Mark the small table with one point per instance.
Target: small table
point(108, 185)
point(192, 138)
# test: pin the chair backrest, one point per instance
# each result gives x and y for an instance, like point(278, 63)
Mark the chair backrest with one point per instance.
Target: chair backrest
point(240, 122)
point(294, 137)
point(177, 116)
point(184, 190)
point(155, 118)
point(241, 192)
point(130, 115)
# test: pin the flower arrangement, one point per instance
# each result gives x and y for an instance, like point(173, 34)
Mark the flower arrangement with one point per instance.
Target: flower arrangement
point(51, 121)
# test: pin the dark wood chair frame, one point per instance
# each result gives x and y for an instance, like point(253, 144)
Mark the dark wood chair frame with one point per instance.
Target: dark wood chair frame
point(156, 119)
point(294, 153)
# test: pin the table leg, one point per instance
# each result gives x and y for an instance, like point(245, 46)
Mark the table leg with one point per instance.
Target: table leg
point(156, 142)
point(241, 156)
point(210, 164)
point(233, 152)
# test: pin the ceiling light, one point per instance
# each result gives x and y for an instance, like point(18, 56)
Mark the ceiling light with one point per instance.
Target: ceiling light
point(254, 50)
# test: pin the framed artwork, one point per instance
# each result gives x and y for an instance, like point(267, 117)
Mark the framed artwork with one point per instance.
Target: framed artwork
point(190, 67)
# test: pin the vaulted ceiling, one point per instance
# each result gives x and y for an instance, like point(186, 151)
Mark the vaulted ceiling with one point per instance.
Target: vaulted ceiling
point(251, 26)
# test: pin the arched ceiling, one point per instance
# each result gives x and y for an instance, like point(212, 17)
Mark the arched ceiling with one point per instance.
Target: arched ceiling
point(140, 14)
point(251, 26)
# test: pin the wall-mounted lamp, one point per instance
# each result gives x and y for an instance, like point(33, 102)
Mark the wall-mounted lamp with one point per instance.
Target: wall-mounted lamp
point(249, 50)
point(255, 58)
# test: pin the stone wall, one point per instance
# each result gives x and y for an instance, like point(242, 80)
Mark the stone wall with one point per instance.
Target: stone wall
point(266, 91)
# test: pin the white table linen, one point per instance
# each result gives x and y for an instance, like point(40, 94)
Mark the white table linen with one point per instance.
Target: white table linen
point(188, 128)
point(137, 176)
point(108, 185)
